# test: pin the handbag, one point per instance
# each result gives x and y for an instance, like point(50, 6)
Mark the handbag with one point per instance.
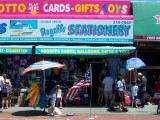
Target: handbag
point(5, 87)
point(4, 90)
point(127, 100)
point(57, 111)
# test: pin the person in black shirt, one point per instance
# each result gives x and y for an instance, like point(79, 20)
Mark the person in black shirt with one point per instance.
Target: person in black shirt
point(151, 88)
point(142, 88)
point(49, 84)
point(51, 93)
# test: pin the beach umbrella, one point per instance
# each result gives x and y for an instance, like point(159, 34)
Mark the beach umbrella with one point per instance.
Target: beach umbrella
point(132, 63)
point(42, 65)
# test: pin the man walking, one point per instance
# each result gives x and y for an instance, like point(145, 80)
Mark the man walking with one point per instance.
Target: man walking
point(107, 85)
point(142, 88)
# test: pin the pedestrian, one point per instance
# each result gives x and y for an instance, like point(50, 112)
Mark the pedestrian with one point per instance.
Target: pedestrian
point(142, 88)
point(134, 93)
point(48, 86)
point(124, 79)
point(52, 100)
point(151, 89)
point(119, 95)
point(50, 89)
point(1, 84)
point(102, 75)
point(6, 96)
point(59, 96)
point(100, 94)
point(107, 85)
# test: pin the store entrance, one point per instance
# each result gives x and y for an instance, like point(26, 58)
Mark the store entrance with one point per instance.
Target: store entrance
point(96, 69)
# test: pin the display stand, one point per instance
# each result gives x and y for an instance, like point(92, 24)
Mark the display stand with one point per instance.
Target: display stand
point(14, 97)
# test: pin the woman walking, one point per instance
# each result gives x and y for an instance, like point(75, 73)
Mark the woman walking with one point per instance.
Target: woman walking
point(6, 92)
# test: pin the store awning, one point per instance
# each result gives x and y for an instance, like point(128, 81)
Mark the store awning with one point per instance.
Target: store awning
point(16, 49)
point(85, 50)
point(146, 19)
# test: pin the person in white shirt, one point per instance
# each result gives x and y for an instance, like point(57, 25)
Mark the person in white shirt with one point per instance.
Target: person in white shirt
point(107, 85)
point(59, 96)
point(134, 93)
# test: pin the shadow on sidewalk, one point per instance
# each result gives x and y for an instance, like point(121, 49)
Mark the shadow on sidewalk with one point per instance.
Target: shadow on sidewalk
point(29, 113)
point(116, 110)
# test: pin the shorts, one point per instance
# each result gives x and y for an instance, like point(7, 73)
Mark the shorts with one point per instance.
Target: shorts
point(59, 99)
point(151, 93)
point(100, 92)
point(53, 99)
point(134, 97)
point(5, 95)
point(119, 98)
point(108, 94)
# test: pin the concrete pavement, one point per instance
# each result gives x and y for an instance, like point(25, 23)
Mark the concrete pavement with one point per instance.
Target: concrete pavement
point(80, 113)
point(148, 109)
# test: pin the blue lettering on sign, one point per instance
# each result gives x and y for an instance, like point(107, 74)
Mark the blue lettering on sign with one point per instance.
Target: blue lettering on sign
point(51, 32)
point(99, 30)
point(3, 28)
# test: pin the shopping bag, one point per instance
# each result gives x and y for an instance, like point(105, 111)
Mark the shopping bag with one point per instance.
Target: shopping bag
point(127, 100)
point(57, 111)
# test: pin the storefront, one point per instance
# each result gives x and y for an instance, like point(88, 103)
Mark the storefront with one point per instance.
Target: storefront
point(147, 37)
point(77, 33)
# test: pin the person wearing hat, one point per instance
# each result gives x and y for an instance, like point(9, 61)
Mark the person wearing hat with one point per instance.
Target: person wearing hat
point(142, 88)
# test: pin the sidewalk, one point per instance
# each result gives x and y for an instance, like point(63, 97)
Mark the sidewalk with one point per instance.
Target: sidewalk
point(148, 109)
point(80, 113)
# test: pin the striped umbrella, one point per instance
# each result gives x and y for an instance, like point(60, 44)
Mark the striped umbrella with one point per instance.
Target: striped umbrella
point(42, 65)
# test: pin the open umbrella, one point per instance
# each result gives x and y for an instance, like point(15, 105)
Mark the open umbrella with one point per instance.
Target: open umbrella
point(42, 65)
point(133, 63)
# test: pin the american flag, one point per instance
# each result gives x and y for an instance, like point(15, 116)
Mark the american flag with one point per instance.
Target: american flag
point(84, 81)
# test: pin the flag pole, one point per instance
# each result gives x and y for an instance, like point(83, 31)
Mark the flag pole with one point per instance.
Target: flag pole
point(91, 118)
point(44, 81)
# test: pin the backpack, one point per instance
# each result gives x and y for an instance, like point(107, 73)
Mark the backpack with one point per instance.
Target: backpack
point(4, 88)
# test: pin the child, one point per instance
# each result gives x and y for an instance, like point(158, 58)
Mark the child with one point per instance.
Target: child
point(134, 93)
point(59, 96)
